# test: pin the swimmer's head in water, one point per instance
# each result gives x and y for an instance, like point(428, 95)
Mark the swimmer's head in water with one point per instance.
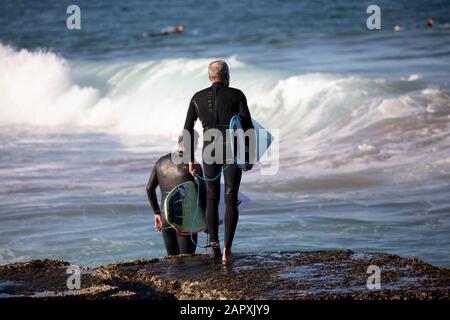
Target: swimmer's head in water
point(431, 22)
point(218, 72)
point(180, 28)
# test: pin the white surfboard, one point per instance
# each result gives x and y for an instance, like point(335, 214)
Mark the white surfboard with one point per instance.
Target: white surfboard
point(263, 138)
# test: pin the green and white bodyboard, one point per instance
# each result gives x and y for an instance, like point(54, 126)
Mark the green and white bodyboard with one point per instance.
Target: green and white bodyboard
point(180, 209)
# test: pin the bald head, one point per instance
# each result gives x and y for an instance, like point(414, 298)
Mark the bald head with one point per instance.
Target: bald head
point(218, 72)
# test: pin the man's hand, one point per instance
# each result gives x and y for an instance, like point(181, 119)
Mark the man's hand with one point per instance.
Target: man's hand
point(158, 222)
point(192, 168)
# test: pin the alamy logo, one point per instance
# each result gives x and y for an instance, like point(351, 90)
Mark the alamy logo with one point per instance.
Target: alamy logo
point(374, 281)
point(73, 22)
point(74, 280)
point(236, 150)
point(373, 22)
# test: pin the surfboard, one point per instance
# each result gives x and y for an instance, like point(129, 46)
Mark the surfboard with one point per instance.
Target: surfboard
point(263, 137)
point(181, 211)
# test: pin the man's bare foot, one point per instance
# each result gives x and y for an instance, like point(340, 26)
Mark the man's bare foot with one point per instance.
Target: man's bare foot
point(226, 255)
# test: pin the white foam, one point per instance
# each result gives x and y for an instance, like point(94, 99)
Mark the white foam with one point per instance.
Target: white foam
point(36, 88)
point(414, 77)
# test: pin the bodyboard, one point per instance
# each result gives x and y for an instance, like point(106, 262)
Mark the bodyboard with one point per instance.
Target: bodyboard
point(181, 210)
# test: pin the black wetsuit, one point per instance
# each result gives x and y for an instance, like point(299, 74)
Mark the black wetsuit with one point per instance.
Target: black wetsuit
point(215, 106)
point(168, 175)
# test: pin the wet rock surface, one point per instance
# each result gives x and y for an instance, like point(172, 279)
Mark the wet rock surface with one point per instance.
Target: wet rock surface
point(336, 274)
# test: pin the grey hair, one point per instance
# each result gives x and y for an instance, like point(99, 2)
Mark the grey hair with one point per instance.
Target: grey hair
point(218, 70)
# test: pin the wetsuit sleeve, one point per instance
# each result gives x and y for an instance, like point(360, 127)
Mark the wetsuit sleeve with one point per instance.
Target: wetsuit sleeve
point(151, 191)
point(246, 121)
point(189, 124)
point(244, 113)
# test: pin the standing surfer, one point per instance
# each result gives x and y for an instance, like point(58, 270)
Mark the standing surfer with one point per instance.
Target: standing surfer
point(215, 106)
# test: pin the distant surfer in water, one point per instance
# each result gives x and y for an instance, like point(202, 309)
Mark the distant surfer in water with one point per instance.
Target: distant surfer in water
point(166, 31)
point(215, 106)
point(168, 175)
point(398, 27)
point(431, 22)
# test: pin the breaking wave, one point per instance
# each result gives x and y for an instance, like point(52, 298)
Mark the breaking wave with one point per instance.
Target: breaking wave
point(332, 119)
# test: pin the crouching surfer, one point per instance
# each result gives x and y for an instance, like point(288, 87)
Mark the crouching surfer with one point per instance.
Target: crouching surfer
point(166, 174)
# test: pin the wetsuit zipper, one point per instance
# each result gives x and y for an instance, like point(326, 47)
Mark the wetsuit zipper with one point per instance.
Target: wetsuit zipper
point(216, 114)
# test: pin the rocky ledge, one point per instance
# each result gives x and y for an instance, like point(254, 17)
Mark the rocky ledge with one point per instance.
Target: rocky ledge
point(337, 274)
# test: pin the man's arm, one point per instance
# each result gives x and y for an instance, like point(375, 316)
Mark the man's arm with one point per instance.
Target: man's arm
point(189, 124)
point(244, 113)
point(246, 121)
point(151, 192)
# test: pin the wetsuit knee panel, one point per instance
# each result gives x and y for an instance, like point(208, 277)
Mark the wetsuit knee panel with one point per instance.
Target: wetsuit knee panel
point(231, 198)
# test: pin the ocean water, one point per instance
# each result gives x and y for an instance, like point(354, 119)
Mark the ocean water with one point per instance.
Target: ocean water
point(363, 122)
